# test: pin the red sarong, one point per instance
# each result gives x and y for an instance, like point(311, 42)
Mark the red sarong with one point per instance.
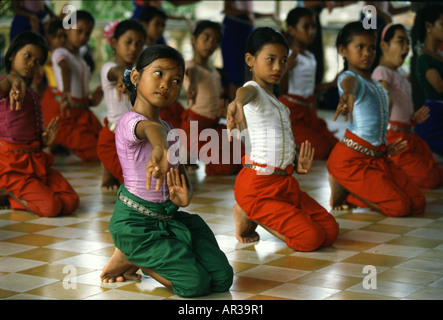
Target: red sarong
point(193, 144)
point(107, 152)
point(77, 132)
point(306, 125)
point(29, 176)
point(277, 202)
point(172, 114)
point(416, 159)
point(376, 180)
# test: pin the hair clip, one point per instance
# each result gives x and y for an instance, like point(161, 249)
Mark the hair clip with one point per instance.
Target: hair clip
point(127, 78)
point(384, 31)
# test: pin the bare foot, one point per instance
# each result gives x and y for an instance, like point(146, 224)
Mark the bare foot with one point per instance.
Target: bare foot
point(244, 227)
point(338, 195)
point(109, 182)
point(4, 200)
point(119, 269)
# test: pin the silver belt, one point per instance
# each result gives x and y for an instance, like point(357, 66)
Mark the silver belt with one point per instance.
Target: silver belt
point(363, 150)
point(394, 127)
point(112, 126)
point(142, 209)
point(266, 170)
point(302, 103)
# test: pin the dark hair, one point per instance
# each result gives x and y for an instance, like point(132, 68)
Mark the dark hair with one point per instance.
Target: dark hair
point(53, 26)
point(206, 24)
point(85, 15)
point(387, 37)
point(22, 40)
point(261, 37)
point(146, 57)
point(351, 29)
point(295, 14)
point(429, 13)
point(126, 25)
point(148, 13)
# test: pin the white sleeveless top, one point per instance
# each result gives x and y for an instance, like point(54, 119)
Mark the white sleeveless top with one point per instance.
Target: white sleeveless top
point(301, 79)
point(269, 130)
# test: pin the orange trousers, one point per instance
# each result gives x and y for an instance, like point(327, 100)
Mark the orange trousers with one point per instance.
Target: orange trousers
point(277, 202)
point(29, 176)
point(377, 180)
point(193, 144)
point(417, 160)
point(77, 132)
point(107, 152)
point(306, 125)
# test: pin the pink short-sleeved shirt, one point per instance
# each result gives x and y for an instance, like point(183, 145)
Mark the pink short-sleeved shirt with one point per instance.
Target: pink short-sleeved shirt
point(134, 154)
point(21, 126)
point(401, 93)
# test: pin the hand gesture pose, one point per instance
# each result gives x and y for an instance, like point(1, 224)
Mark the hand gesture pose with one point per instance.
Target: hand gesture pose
point(121, 88)
point(235, 118)
point(421, 115)
point(17, 93)
point(66, 103)
point(345, 106)
point(157, 167)
point(48, 137)
point(305, 158)
point(397, 146)
point(178, 189)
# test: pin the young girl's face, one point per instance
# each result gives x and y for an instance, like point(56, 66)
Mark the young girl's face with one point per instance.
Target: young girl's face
point(80, 36)
point(27, 61)
point(268, 65)
point(57, 40)
point(359, 53)
point(206, 42)
point(436, 29)
point(397, 49)
point(160, 82)
point(155, 28)
point(128, 47)
point(304, 30)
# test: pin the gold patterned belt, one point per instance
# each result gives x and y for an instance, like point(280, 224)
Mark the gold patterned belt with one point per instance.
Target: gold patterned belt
point(394, 127)
point(142, 209)
point(21, 150)
point(363, 150)
point(265, 170)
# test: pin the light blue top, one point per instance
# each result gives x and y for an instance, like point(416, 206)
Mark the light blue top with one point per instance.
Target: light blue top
point(371, 109)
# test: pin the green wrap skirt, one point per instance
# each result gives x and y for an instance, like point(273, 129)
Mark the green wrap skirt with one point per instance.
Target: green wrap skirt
point(177, 245)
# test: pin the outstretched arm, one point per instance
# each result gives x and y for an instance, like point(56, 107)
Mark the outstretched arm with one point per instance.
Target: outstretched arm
point(346, 103)
point(235, 117)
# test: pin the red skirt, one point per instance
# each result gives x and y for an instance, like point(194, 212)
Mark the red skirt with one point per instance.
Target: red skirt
point(417, 159)
point(306, 125)
point(277, 202)
point(77, 132)
point(28, 175)
point(377, 180)
point(172, 114)
point(107, 152)
point(220, 163)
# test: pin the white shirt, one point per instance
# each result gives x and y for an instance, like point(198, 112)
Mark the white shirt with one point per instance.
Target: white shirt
point(269, 130)
point(301, 79)
point(115, 108)
point(79, 72)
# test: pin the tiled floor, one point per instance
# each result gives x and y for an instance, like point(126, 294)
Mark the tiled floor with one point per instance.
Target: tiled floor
point(62, 258)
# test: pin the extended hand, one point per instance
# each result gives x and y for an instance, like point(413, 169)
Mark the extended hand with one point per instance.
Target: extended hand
point(305, 157)
point(421, 115)
point(235, 118)
point(157, 167)
point(178, 190)
point(397, 146)
point(48, 137)
point(345, 106)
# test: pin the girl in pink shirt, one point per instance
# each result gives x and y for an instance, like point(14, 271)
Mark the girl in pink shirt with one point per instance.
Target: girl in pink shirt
point(148, 228)
point(416, 159)
point(26, 176)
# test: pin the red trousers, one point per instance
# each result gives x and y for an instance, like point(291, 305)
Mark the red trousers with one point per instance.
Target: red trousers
point(225, 166)
point(29, 176)
point(277, 202)
point(78, 131)
point(107, 152)
point(417, 160)
point(376, 180)
point(306, 125)
point(173, 114)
